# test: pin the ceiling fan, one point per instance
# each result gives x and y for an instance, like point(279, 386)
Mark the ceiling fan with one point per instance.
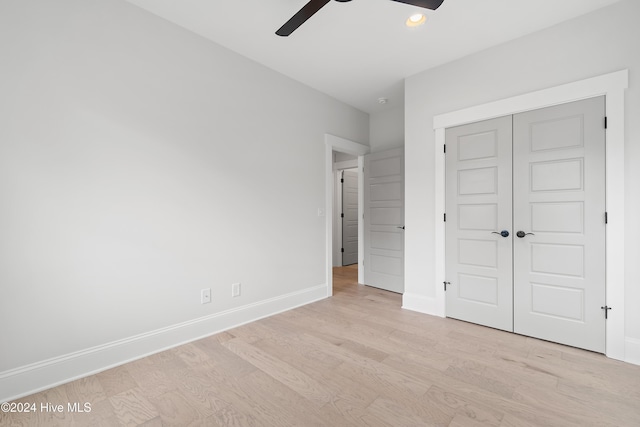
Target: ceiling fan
point(309, 9)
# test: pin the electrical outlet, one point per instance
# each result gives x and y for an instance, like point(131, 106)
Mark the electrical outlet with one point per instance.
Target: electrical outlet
point(205, 296)
point(235, 290)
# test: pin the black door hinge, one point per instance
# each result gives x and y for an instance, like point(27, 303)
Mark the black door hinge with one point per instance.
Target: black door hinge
point(445, 148)
point(606, 311)
point(342, 180)
point(445, 217)
point(606, 217)
point(605, 122)
point(341, 215)
point(341, 249)
point(445, 285)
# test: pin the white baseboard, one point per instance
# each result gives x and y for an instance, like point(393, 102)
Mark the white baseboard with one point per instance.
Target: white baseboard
point(421, 304)
point(632, 351)
point(29, 379)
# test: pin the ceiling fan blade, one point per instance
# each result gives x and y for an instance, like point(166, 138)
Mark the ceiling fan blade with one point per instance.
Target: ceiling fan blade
point(307, 11)
point(427, 4)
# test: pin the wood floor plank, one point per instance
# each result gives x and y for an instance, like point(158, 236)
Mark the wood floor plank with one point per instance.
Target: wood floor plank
point(241, 407)
point(51, 398)
point(289, 347)
point(371, 371)
point(191, 354)
point(345, 413)
point(342, 388)
point(197, 385)
point(463, 421)
point(132, 407)
point(514, 421)
point(475, 377)
point(495, 371)
point(116, 380)
point(169, 359)
point(102, 414)
point(485, 415)
point(399, 415)
point(281, 371)
point(231, 417)
point(176, 410)
point(609, 400)
point(223, 357)
point(284, 405)
point(154, 422)
point(574, 409)
point(474, 392)
point(625, 385)
point(153, 382)
point(86, 389)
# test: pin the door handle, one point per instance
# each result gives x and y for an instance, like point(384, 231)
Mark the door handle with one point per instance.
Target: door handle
point(521, 234)
point(503, 233)
point(401, 227)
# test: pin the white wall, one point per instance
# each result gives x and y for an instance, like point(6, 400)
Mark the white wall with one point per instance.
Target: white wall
point(591, 45)
point(386, 129)
point(140, 163)
point(339, 157)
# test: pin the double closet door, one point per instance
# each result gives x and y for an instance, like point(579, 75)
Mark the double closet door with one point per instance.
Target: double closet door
point(525, 224)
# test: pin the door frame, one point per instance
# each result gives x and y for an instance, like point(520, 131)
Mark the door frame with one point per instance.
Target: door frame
point(612, 86)
point(342, 145)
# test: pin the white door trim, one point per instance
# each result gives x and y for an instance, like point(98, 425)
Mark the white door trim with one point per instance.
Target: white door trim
point(335, 143)
point(611, 85)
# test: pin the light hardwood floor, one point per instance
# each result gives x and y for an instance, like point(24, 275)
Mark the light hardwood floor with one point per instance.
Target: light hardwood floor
point(355, 359)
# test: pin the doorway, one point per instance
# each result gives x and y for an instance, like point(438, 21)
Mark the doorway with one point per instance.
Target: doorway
point(541, 173)
point(386, 177)
point(346, 208)
point(340, 145)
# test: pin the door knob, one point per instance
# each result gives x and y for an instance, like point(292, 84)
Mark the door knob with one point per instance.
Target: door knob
point(521, 234)
point(503, 233)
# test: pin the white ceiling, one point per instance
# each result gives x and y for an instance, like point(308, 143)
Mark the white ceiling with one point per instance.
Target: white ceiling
point(360, 51)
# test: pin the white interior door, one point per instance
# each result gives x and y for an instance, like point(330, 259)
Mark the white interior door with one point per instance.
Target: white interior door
point(559, 197)
point(543, 170)
point(384, 220)
point(478, 201)
point(349, 217)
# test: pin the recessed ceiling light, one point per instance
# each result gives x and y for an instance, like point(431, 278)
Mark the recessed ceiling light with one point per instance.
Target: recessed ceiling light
point(416, 20)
